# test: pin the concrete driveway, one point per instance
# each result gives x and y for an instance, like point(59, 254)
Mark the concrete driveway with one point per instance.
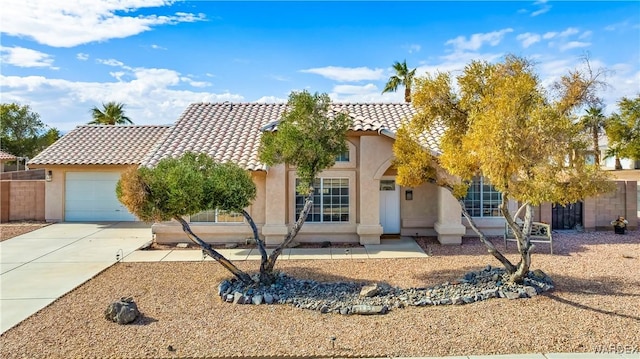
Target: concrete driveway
point(38, 267)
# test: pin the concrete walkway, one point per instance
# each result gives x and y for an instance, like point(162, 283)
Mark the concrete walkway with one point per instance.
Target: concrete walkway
point(39, 267)
point(391, 248)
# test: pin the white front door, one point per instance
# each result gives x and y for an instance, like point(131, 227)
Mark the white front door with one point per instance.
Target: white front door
point(91, 196)
point(389, 206)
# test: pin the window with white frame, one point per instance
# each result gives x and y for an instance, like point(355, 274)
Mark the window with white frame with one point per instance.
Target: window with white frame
point(330, 201)
point(482, 199)
point(217, 216)
point(343, 157)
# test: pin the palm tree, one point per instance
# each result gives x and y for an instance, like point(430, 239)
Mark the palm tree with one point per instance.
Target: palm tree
point(614, 151)
point(593, 123)
point(403, 76)
point(112, 113)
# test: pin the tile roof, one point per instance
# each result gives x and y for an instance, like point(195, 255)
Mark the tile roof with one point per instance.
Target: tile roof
point(5, 156)
point(103, 145)
point(231, 131)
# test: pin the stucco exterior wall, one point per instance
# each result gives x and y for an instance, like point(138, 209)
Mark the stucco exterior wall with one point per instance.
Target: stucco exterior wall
point(419, 215)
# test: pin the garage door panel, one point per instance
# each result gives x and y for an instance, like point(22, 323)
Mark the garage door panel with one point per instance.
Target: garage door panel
point(91, 196)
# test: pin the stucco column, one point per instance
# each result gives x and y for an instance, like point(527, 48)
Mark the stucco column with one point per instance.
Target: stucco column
point(54, 196)
point(449, 225)
point(373, 151)
point(275, 227)
point(369, 229)
point(631, 199)
point(589, 218)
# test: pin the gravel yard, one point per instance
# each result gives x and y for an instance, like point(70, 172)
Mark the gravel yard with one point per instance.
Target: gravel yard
point(595, 305)
point(14, 229)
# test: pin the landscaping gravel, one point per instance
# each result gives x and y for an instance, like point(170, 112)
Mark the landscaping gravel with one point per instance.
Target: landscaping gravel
point(593, 306)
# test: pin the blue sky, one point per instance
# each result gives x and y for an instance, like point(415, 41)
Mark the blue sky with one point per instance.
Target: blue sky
point(157, 56)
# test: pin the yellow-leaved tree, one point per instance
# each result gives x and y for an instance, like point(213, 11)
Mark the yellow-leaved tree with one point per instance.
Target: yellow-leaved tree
point(501, 124)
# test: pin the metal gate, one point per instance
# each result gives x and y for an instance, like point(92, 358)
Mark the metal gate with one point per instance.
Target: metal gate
point(566, 217)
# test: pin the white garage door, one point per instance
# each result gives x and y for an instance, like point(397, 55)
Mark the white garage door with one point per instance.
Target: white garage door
point(91, 196)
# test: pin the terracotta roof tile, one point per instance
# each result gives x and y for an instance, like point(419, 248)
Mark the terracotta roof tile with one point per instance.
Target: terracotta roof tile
point(5, 156)
point(231, 131)
point(103, 145)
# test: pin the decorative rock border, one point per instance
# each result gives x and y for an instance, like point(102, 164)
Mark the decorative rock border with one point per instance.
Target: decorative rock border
point(360, 298)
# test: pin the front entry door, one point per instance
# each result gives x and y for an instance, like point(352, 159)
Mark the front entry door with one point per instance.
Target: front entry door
point(389, 206)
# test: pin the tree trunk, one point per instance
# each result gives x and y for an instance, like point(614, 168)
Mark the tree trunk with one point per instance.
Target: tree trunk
point(618, 164)
point(407, 94)
point(293, 231)
point(525, 246)
point(509, 267)
point(206, 247)
point(596, 146)
point(260, 244)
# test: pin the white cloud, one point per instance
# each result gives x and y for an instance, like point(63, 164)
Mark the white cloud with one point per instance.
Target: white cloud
point(585, 34)
point(347, 74)
point(23, 57)
point(72, 23)
point(355, 90)
point(112, 62)
point(158, 47)
point(271, 99)
point(574, 44)
point(117, 74)
point(414, 48)
point(569, 31)
point(476, 41)
point(528, 38)
point(194, 83)
point(152, 96)
point(82, 56)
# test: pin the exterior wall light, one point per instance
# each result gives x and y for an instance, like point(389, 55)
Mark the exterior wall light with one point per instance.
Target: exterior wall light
point(49, 176)
point(408, 195)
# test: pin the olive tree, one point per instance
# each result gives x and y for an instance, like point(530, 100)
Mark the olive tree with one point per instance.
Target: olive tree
point(309, 136)
point(501, 124)
point(178, 187)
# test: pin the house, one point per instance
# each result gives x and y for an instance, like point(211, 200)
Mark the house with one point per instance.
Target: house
point(357, 200)
point(5, 157)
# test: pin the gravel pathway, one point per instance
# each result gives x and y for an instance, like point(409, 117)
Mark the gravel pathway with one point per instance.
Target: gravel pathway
point(595, 304)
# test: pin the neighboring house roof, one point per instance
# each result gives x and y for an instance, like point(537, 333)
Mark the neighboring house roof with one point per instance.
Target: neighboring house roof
point(102, 145)
point(5, 156)
point(230, 132)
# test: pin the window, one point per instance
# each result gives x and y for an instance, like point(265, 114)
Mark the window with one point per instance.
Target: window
point(343, 157)
point(330, 201)
point(482, 199)
point(217, 216)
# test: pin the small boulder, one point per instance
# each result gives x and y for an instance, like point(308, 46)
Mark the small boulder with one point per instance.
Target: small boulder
point(369, 290)
point(238, 298)
point(123, 311)
point(363, 309)
point(530, 291)
point(257, 299)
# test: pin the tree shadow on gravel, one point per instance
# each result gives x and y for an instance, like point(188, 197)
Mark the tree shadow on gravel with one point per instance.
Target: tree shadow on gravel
point(575, 304)
point(564, 244)
point(603, 286)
